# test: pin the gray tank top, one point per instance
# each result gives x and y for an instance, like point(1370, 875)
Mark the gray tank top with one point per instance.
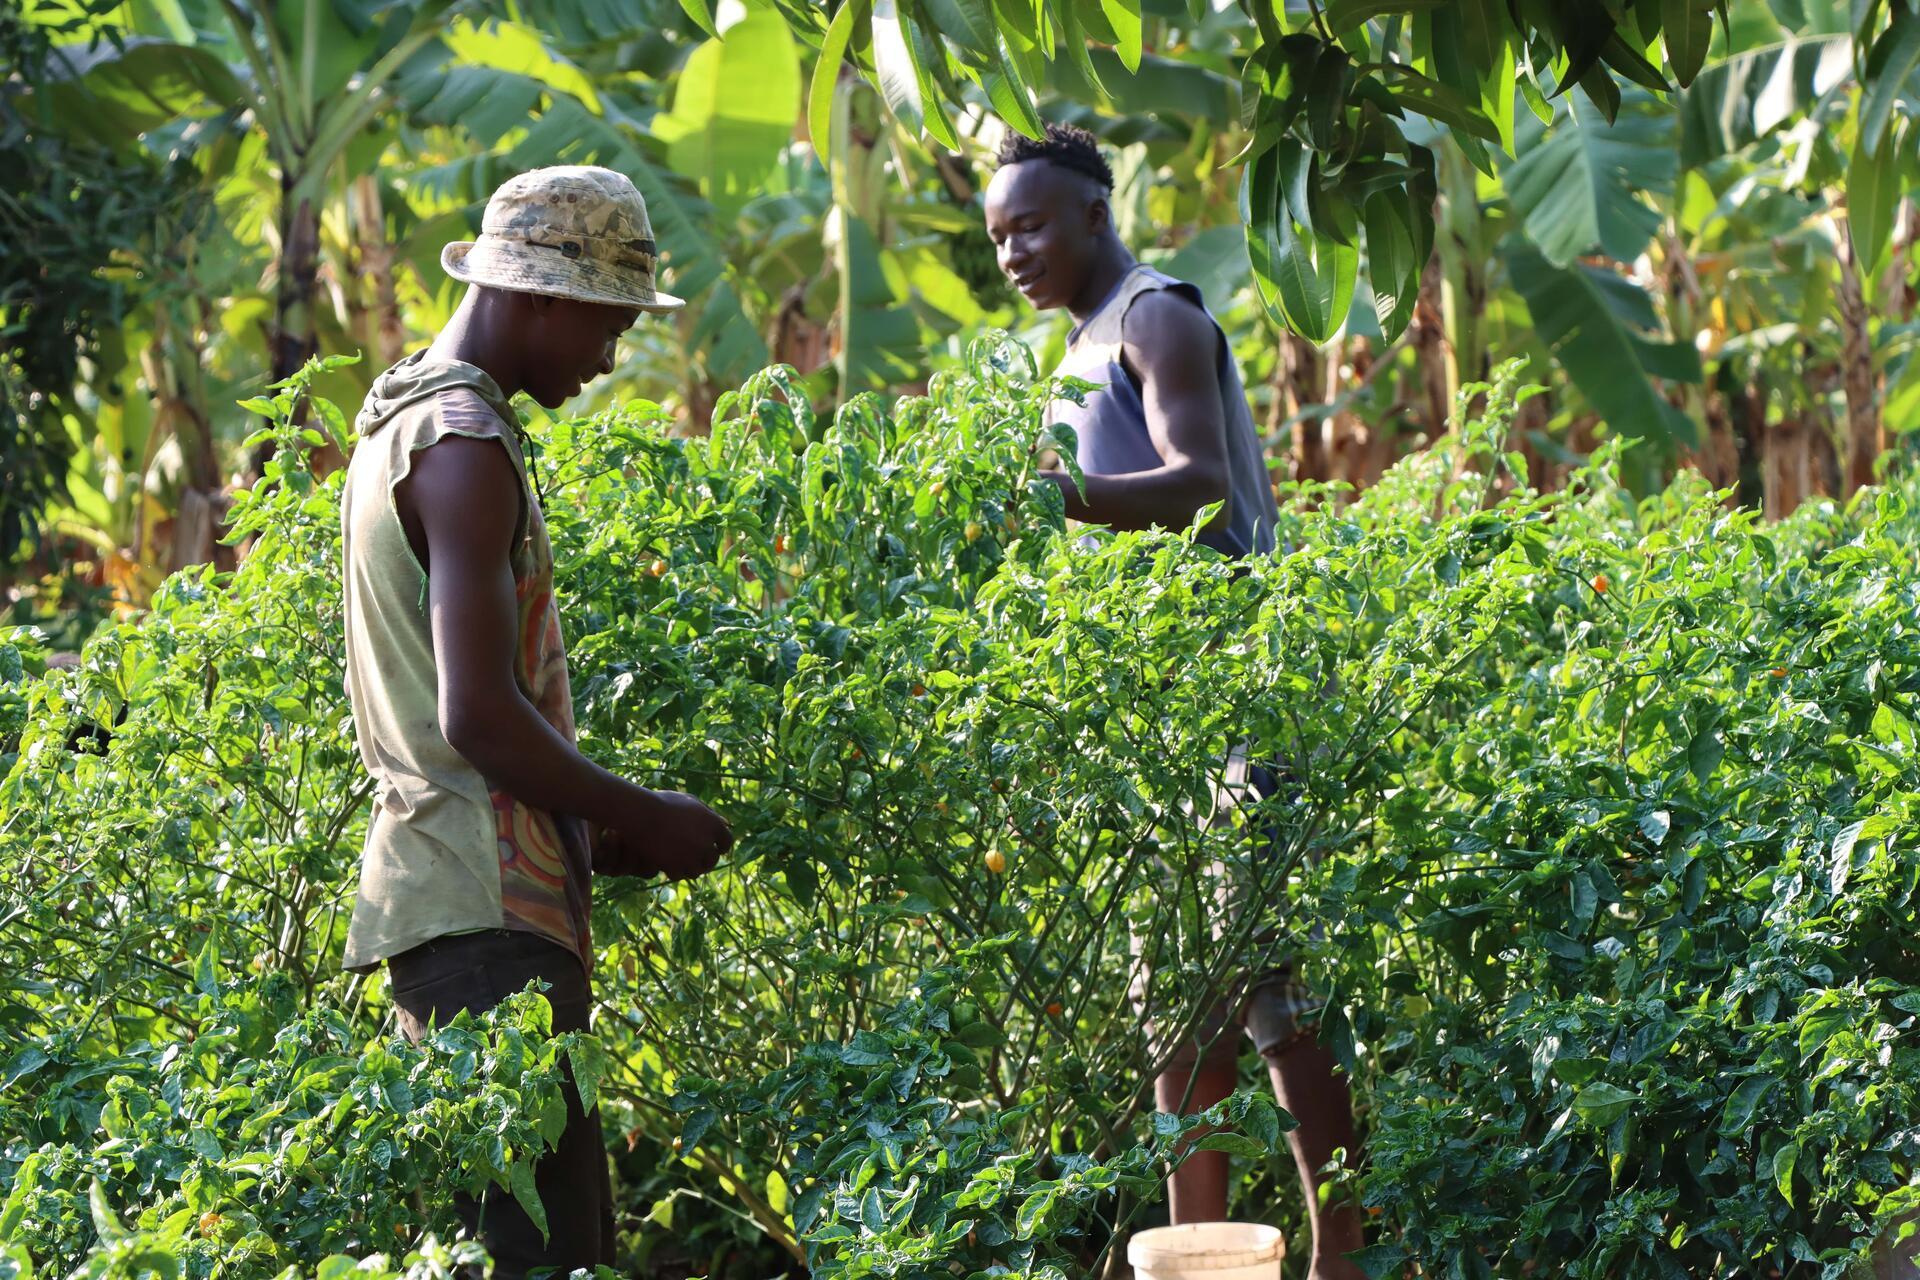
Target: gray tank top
point(1112, 425)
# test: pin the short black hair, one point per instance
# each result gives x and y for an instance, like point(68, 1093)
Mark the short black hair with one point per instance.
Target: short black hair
point(1067, 145)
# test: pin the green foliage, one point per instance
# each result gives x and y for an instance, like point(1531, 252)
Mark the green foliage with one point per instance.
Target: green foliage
point(1594, 834)
point(1629, 961)
point(69, 209)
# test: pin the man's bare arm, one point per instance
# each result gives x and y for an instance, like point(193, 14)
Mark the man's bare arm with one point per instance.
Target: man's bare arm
point(464, 497)
point(1174, 348)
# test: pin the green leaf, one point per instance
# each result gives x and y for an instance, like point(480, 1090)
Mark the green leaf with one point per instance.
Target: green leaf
point(731, 142)
point(1013, 100)
point(1737, 101)
point(206, 965)
point(826, 75)
point(1342, 16)
point(1578, 186)
point(1873, 201)
point(1306, 281)
point(1654, 825)
point(1600, 1104)
point(106, 1223)
point(1687, 27)
point(1380, 1261)
point(1124, 15)
point(1437, 101)
point(1483, 28)
point(895, 68)
point(1033, 1211)
point(1577, 312)
point(26, 1180)
point(526, 1193)
point(1705, 752)
point(1737, 1115)
point(701, 11)
point(1783, 1162)
point(1393, 268)
point(1895, 55)
point(1238, 1144)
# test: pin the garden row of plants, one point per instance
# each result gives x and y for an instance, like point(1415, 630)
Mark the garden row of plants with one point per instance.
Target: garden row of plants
point(1595, 838)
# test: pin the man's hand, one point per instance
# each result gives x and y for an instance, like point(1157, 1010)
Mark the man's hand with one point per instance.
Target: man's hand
point(673, 835)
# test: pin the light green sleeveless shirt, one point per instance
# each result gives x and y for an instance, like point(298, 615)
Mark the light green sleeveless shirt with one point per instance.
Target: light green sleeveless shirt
point(444, 852)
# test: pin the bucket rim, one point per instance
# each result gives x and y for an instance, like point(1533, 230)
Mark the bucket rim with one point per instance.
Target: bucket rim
point(1156, 1247)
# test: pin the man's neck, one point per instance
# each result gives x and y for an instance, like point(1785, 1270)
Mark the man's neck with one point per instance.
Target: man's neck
point(474, 336)
point(1109, 268)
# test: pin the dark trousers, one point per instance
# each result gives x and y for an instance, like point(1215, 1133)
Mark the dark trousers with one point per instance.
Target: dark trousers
point(475, 971)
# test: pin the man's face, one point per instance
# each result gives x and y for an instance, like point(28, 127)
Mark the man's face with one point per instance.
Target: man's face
point(569, 344)
point(1045, 222)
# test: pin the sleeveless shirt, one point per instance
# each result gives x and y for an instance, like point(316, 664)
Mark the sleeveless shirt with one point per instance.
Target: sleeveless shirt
point(445, 853)
point(1112, 424)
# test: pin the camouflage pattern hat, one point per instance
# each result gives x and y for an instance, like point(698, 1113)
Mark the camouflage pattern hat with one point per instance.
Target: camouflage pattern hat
point(571, 231)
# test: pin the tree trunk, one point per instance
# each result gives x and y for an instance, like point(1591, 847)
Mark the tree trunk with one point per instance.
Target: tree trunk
point(798, 339)
point(1300, 383)
point(1787, 465)
point(1431, 357)
point(168, 364)
point(1719, 455)
point(1349, 438)
point(384, 334)
point(1865, 438)
point(294, 340)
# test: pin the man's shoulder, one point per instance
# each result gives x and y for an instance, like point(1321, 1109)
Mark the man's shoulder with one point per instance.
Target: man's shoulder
point(1168, 319)
point(464, 411)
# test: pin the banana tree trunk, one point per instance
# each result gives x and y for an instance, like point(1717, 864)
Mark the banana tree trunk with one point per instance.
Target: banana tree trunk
point(1350, 439)
point(1432, 358)
point(1787, 465)
point(1298, 382)
point(1865, 438)
point(382, 332)
point(295, 339)
point(1463, 254)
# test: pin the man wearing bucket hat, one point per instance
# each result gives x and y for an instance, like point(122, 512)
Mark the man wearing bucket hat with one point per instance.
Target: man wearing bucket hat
point(488, 824)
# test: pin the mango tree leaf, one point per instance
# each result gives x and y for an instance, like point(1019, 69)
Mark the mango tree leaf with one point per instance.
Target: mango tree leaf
point(894, 68)
point(1873, 199)
point(1687, 27)
point(826, 76)
point(1124, 17)
point(1393, 268)
point(1894, 57)
point(1306, 280)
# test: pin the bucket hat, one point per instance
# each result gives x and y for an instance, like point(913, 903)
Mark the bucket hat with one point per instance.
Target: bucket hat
point(570, 231)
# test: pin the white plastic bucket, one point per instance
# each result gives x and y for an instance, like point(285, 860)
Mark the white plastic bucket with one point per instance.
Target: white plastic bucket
point(1208, 1251)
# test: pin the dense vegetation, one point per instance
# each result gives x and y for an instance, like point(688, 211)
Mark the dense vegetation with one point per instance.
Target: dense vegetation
point(1693, 223)
point(1598, 836)
point(1599, 703)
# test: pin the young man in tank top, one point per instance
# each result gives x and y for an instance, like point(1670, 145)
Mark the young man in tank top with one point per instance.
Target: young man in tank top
point(476, 875)
point(1168, 432)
